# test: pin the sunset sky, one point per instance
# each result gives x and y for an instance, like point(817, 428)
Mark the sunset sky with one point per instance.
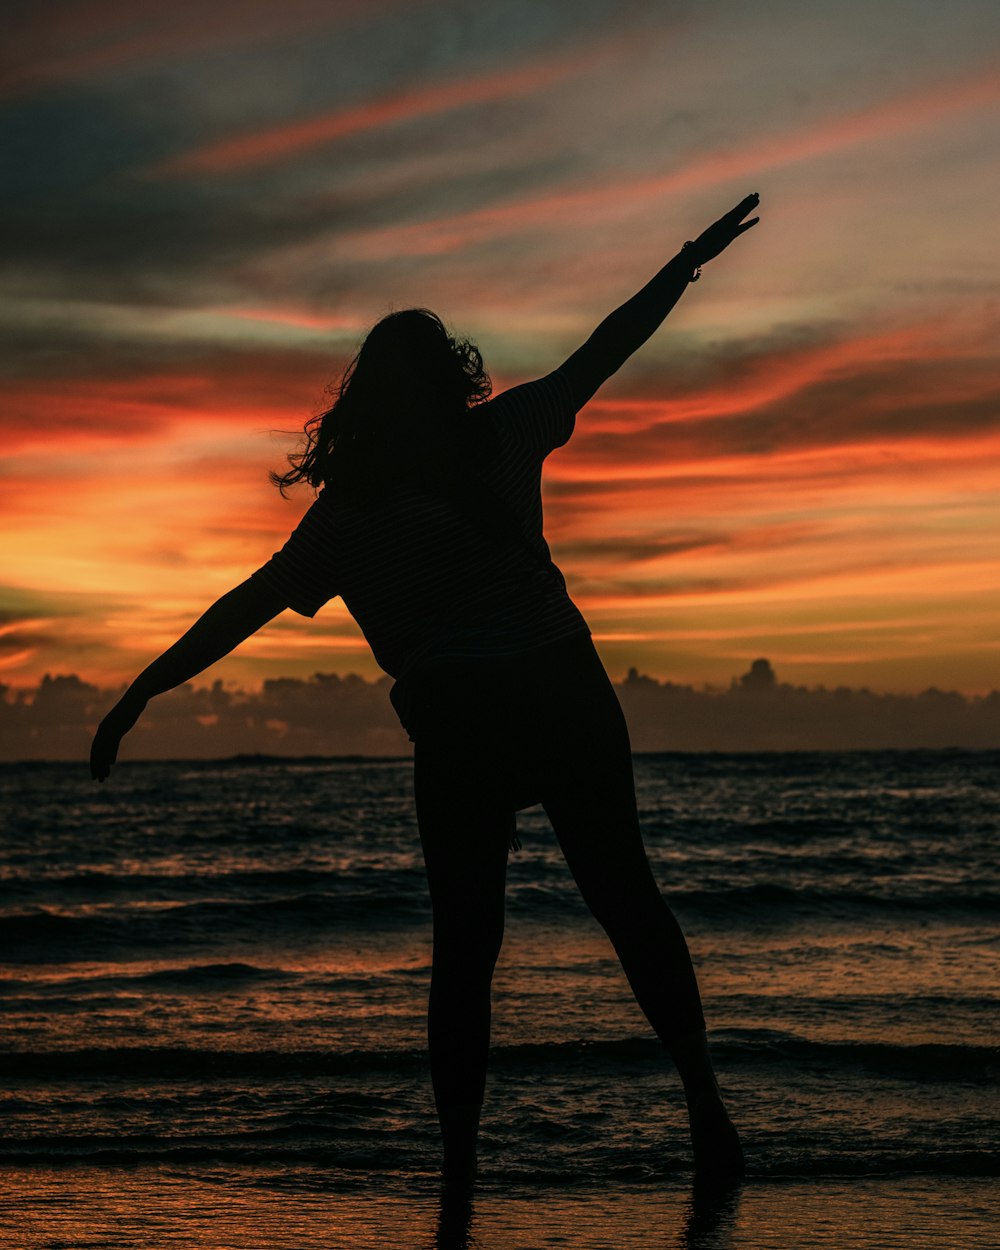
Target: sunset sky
point(207, 204)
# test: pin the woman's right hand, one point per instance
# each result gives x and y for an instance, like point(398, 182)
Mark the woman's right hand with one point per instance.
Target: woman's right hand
point(110, 732)
point(721, 233)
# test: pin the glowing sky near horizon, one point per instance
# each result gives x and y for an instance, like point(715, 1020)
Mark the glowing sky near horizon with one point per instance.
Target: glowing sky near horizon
point(206, 205)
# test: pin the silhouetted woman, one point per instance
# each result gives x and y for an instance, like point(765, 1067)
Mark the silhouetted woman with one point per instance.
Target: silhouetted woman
point(429, 526)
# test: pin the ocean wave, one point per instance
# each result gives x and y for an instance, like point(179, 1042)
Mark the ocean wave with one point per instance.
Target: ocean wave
point(773, 895)
point(72, 934)
point(24, 935)
point(191, 976)
point(344, 1160)
point(769, 900)
point(732, 1047)
point(242, 885)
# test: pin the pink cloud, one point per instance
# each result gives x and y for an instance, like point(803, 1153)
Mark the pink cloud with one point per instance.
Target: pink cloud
point(923, 107)
point(281, 142)
point(298, 318)
point(57, 42)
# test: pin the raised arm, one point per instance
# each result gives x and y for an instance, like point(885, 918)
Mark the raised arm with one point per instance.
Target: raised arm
point(227, 623)
point(629, 326)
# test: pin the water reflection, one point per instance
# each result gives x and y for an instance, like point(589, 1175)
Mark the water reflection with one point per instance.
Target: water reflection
point(709, 1221)
point(454, 1229)
point(711, 1216)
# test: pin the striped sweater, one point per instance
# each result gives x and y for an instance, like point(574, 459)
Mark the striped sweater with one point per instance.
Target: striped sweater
point(420, 578)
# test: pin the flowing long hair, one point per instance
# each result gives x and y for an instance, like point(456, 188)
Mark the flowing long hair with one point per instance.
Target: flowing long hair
point(400, 413)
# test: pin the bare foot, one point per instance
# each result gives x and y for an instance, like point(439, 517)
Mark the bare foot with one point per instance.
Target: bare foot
point(715, 1142)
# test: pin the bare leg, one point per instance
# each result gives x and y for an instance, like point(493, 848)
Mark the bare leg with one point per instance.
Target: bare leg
point(464, 840)
point(714, 1140)
point(591, 803)
point(656, 961)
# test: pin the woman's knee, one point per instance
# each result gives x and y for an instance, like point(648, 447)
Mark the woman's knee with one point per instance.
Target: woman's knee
point(467, 937)
point(611, 869)
point(622, 906)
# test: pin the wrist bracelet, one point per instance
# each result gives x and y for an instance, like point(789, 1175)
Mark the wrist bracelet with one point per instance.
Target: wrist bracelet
point(697, 269)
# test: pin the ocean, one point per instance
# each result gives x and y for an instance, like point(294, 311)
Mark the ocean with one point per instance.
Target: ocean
point(214, 984)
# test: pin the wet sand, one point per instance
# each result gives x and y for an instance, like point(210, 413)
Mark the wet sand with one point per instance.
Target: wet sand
point(79, 1208)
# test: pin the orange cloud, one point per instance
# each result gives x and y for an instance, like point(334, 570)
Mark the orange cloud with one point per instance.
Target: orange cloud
point(859, 471)
point(868, 578)
point(62, 413)
point(776, 374)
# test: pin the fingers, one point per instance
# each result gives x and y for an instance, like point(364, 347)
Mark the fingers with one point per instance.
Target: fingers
point(730, 223)
point(101, 759)
point(745, 206)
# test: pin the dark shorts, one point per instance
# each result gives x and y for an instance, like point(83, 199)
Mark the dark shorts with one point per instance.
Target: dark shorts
point(514, 722)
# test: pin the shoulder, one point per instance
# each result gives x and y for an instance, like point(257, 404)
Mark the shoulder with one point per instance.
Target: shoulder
point(541, 394)
point(540, 414)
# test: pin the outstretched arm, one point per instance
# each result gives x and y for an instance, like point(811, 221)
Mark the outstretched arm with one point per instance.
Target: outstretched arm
point(230, 620)
point(629, 326)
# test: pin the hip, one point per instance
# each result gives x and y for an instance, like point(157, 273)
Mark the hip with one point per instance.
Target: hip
point(501, 691)
point(518, 721)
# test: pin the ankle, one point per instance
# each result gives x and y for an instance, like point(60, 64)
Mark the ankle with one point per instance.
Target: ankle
point(694, 1066)
point(459, 1128)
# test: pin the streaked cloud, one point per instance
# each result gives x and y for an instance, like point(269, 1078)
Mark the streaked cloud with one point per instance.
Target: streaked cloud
point(928, 106)
point(283, 142)
point(67, 40)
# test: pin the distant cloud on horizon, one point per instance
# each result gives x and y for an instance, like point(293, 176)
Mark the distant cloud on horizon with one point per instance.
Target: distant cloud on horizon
point(329, 715)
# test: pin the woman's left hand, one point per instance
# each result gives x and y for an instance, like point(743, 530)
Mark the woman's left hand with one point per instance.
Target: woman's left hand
point(721, 233)
point(110, 732)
